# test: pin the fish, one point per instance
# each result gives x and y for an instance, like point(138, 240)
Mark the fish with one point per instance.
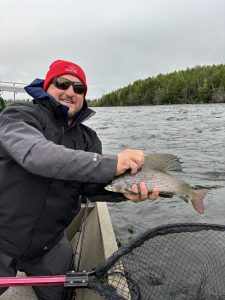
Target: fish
point(155, 174)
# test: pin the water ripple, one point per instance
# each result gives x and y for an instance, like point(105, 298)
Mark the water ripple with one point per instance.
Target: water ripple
point(195, 133)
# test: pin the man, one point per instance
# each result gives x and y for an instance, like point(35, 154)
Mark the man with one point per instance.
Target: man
point(48, 159)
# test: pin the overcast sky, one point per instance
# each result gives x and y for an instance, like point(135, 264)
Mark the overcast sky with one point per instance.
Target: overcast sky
point(116, 42)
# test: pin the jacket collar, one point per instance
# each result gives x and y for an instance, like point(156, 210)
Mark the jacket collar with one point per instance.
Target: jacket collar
point(35, 90)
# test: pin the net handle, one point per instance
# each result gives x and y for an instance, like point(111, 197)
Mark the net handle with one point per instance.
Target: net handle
point(71, 279)
point(32, 280)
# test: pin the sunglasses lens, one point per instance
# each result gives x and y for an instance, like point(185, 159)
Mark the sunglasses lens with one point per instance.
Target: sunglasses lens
point(62, 84)
point(79, 89)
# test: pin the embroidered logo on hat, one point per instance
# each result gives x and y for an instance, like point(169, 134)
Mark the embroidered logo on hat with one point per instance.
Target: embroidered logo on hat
point(71, 68)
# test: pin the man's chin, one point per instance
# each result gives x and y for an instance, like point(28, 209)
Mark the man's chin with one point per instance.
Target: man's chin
point(72, 114)
point(72, 111)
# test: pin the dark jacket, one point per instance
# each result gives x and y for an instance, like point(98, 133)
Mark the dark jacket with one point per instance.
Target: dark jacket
point(42, 177)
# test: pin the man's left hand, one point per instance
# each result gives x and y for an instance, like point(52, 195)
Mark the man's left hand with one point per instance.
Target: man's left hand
point(143, 193)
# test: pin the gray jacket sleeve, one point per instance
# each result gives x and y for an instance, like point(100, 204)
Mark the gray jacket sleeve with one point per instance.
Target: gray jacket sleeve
point(24, 142)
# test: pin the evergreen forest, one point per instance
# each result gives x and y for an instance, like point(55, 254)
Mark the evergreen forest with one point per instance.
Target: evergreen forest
point(201, 84)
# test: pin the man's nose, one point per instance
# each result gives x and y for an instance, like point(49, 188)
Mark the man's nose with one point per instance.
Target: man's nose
point(70, 91)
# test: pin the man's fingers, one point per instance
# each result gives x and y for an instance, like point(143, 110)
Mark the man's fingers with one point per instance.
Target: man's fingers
point(134, 167)
point(142, 193)
point(138, 158)
point(129, 159)
point(133, 197)
point(134, 189)
point(154, 194)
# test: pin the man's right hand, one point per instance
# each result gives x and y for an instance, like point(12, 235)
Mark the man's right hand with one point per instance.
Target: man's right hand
point(129, 159)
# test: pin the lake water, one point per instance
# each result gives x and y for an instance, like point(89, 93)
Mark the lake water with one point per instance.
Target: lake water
point(195, 133)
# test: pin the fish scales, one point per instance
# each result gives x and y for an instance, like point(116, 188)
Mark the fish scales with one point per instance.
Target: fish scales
point(154, 174)
point(152, 178)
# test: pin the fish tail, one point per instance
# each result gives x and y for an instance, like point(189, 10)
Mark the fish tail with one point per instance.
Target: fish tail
point(197, 200)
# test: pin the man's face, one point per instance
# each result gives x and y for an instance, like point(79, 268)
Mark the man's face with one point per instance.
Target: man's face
point(68, 97)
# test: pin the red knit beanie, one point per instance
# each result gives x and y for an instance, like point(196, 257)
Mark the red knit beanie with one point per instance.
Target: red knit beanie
point(60, 67)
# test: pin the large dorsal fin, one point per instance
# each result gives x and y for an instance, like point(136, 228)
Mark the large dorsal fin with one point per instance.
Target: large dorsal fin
point(162, 162)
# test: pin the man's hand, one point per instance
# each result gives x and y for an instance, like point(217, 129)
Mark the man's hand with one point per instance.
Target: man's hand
point(129, 159)
point(143, 193)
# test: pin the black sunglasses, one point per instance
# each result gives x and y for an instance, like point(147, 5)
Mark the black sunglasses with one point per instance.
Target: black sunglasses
point(64, 84)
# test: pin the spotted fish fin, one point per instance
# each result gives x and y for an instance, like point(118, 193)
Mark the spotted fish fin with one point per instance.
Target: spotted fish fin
point(162, 162)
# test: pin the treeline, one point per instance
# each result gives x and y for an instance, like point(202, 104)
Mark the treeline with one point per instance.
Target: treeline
point(201, 84)
point(11, 101)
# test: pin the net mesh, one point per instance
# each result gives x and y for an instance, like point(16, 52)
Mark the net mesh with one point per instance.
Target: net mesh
point(179, 262)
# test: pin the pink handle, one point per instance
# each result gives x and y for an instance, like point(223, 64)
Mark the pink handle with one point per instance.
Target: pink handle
point(32, 280)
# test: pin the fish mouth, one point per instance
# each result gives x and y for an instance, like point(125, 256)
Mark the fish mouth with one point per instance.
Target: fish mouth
point(108, 188)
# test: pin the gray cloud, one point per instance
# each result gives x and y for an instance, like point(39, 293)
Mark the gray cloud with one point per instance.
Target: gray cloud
point(115, 42)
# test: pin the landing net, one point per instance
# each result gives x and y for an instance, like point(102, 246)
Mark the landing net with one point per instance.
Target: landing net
point(171, 262)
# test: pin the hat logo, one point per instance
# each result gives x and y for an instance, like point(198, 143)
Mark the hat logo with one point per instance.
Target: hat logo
point(71, 68)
